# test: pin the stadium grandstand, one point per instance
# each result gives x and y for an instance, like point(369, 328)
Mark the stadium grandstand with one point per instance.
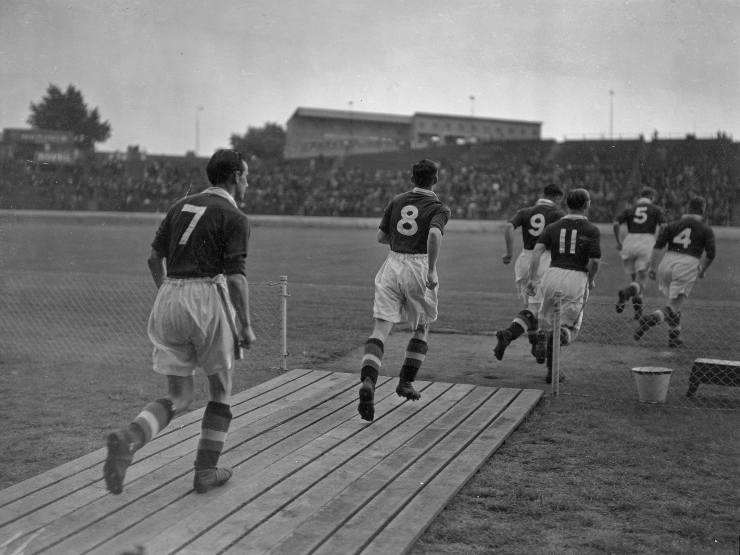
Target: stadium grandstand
point(312, 132)
point(481, 179)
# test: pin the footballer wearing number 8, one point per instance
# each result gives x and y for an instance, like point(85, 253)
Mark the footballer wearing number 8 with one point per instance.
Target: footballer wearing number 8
point(407, 283)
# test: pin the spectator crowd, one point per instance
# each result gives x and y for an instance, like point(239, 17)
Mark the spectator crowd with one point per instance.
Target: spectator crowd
point(482, 182)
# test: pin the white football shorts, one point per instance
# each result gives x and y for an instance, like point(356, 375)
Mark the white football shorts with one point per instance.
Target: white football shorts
point(190, 326)
point(574, 288)
point(676, 274)
point(521, 272)
point(637, 248)
point(401, 294)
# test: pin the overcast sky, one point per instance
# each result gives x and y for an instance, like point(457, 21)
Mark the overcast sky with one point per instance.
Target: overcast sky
point(148, 65)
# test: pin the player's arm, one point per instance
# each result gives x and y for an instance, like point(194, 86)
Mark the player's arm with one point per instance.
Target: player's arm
point(235, 270)
point(509, 240)
point(156, 263)
point(655, 259)
point(592, 266)
point(383, 237)
point(534, 265)
point(434, 242)
point(709, 254)
point(616, 227)
point(659, 249)
point(238, 287)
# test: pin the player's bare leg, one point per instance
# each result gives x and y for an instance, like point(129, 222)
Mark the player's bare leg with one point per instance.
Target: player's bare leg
point(415, 353)
point(372, 360)
point(214, 427)
point(641, 278)
point(123, 443)
point(632, 291)
point(673, 319)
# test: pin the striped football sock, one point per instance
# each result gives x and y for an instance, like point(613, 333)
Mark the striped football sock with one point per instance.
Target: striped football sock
point(372, 359)
point(522, 322)
point(213, 430)
point(416, 352)
point(150, 421)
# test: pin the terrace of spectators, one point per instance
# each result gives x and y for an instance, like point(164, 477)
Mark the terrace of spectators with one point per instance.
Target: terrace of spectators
point(478, 181)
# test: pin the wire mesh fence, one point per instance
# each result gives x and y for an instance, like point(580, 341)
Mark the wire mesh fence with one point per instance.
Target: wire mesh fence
point(93, 320)
point(608, 361)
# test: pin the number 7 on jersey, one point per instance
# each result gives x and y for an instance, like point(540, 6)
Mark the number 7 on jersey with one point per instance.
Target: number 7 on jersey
point(197, 211)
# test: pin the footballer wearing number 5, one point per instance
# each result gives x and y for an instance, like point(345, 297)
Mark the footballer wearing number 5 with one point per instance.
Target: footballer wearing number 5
point(684, 250)
point(643, 220)
point(200, 319)
point(407, 283)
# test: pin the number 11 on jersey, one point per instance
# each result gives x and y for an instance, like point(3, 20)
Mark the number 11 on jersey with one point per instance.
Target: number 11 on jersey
point(571, 246)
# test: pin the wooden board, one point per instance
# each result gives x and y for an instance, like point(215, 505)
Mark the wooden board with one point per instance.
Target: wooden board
point(309, 475)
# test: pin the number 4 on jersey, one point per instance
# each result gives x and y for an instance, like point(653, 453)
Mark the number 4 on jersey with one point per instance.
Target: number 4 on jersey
point(683, 238)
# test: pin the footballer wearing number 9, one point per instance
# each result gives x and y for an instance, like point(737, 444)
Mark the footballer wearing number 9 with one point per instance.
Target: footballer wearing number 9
point(198, 263)
point(406, 284)
point(533, 220)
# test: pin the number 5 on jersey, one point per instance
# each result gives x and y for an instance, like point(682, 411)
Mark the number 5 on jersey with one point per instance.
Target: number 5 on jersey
point(198, 212)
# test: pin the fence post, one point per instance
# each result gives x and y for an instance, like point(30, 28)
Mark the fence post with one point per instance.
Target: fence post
point(556, 344)
point(284, 321)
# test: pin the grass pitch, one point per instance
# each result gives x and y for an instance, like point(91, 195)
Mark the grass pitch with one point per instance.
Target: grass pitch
point(582, 474)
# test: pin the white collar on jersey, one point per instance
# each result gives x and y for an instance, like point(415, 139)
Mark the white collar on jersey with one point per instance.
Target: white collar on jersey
point(221, 192)
point(697, 217)
point(545, 201)
point(575, 217)
point(643, 200)
point(424, 191)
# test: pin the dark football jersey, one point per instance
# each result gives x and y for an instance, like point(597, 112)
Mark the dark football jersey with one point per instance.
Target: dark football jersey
point(688, 236)
point(409, 217)
point(572, 241)
point(204, 235)
point(533, 220)
point(643, 217)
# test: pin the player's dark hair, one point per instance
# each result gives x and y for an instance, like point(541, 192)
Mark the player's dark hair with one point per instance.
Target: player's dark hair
point(222, 164)
point(577, 199)
point(648, 192)
point(424, 173)
point(697, 205)
point(553, 190)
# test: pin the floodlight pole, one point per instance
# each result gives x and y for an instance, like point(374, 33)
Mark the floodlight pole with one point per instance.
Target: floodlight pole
point(611, 115)
point(351, 145)
point(198, 110)
point(472, 105)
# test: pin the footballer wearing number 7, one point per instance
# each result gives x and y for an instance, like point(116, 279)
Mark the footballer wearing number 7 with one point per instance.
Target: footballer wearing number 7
point(200, 319)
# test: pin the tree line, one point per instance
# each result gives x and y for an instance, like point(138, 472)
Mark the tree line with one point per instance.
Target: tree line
point(66, 110)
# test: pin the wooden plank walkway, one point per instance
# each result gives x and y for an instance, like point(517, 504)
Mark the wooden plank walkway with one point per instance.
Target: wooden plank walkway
point(309, 475)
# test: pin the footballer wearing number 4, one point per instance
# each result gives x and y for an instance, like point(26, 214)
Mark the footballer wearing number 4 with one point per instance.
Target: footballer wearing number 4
point(684, 250)
point(407, 283)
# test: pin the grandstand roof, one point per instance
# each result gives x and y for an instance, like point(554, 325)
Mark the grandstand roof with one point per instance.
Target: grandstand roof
point(473, 118)
point(393, 118)
point(350, 115)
